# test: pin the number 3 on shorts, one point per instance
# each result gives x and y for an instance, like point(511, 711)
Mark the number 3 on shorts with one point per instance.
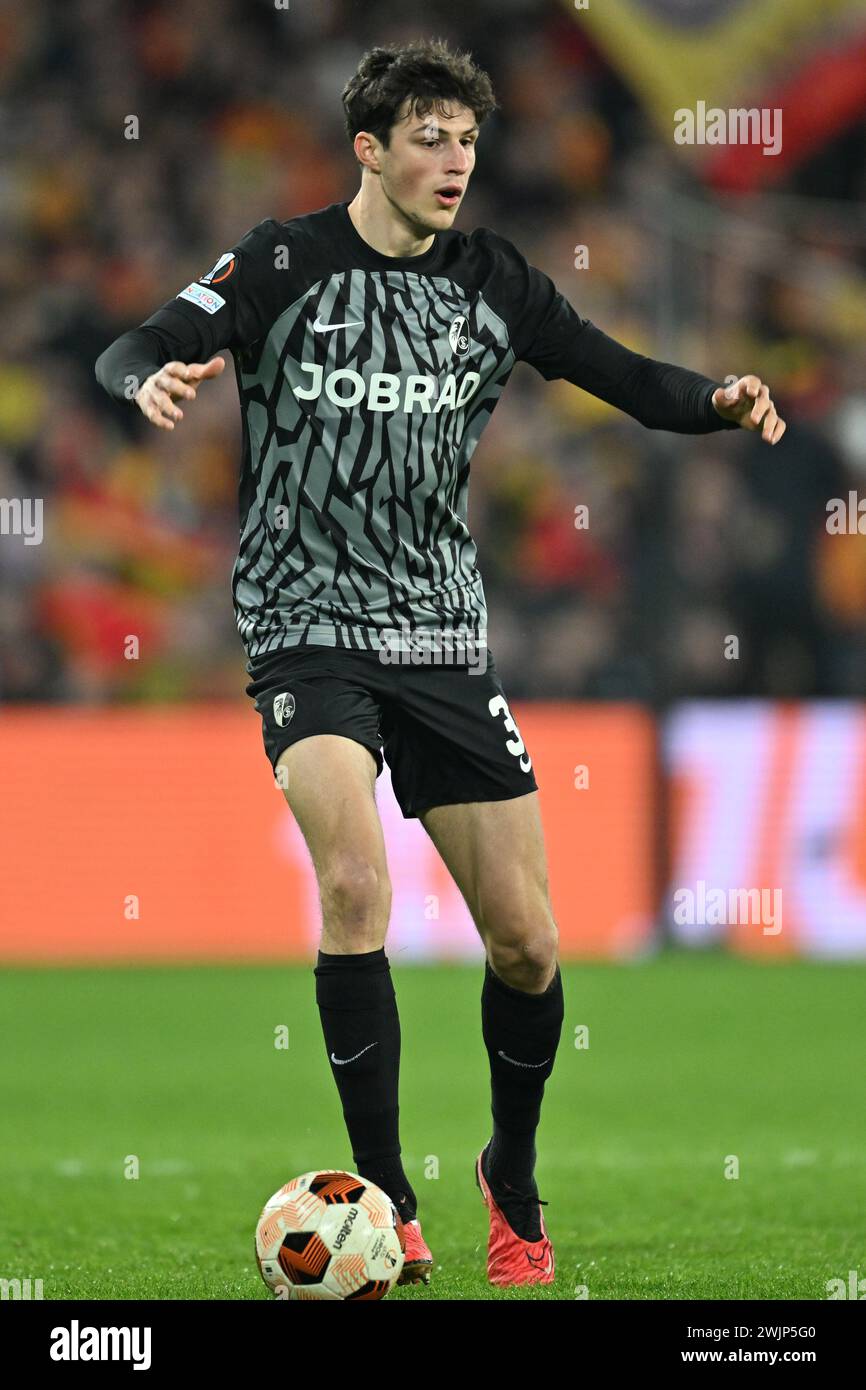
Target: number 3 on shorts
point(515, 745)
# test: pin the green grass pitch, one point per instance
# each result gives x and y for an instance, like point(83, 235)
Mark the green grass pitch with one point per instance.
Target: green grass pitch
point(691, 1059)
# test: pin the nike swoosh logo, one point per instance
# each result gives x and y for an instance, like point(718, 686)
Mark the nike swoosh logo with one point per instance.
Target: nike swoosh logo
point(341, 1061)
point(319, 327)
point(522, 1064)
point(536, 1263)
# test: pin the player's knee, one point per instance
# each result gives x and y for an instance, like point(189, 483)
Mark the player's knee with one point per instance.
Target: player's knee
point(533, 954)
point(355, 892)
point(523, 943)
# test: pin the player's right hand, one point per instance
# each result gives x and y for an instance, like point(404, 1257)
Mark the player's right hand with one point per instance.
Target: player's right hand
point(155, 398)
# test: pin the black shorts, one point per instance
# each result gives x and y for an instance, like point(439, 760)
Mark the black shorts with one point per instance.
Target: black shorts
point(447, 733)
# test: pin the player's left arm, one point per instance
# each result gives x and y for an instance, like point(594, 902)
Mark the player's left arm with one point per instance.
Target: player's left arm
point(659, 395)
point(551, 336)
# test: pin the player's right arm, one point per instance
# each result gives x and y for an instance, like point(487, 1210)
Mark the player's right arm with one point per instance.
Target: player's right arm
point(162, 362)
point(156, 398)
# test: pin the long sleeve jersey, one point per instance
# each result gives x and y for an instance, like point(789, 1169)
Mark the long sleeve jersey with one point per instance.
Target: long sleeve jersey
point(365, 382)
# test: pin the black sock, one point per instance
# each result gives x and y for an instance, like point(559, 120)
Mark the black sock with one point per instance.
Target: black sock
point(526, 1028)
point(358, 1009)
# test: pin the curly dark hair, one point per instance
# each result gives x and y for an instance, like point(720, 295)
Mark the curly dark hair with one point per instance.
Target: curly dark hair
point(427, 71)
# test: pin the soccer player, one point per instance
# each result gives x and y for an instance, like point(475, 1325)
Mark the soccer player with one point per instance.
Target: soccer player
point(372, 340)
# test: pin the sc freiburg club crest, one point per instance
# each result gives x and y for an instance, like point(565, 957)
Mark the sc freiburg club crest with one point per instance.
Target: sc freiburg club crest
point(284, 708)
point(458, 335)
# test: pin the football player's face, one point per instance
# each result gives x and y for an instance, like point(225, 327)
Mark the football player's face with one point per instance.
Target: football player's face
point(428, 154)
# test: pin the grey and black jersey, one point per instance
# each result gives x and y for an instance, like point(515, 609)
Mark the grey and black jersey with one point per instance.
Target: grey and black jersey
point(365, 382)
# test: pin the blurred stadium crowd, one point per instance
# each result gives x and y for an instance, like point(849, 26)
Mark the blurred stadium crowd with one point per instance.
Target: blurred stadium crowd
point(689, 538)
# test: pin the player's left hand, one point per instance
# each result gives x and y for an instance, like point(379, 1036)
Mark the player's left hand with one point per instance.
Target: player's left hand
point(748, 402)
